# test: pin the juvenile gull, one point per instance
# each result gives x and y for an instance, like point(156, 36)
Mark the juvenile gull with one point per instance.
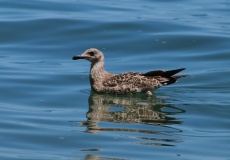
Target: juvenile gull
point(102, 81)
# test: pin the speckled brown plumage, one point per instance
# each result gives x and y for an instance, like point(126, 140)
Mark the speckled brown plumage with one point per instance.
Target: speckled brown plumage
point(129, 82)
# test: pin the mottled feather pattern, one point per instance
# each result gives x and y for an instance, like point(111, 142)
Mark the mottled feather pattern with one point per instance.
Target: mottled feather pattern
point(130, 82)
point(132, 79)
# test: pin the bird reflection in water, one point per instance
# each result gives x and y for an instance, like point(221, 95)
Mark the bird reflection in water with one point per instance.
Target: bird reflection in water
point(151, 114)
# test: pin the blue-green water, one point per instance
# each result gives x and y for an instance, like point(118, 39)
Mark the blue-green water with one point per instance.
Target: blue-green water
point(48, 112)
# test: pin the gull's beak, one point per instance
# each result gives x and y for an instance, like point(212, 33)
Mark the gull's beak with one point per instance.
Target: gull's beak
point(78, 57)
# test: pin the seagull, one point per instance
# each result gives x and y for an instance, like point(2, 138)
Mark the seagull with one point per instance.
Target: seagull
point(102, 81)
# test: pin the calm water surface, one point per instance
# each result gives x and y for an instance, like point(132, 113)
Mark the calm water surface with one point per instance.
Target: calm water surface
point(47, 110)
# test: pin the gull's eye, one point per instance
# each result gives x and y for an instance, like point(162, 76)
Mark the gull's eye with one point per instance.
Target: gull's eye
point(91, 53)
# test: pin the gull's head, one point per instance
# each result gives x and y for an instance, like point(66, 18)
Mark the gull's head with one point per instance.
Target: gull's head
point(92, 55)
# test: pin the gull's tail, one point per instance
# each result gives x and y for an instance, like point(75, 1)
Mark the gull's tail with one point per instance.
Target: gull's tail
point(171, 78)
point(166, 77)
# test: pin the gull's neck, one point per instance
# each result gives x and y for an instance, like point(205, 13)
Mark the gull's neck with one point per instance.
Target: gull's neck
point(97, 72)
